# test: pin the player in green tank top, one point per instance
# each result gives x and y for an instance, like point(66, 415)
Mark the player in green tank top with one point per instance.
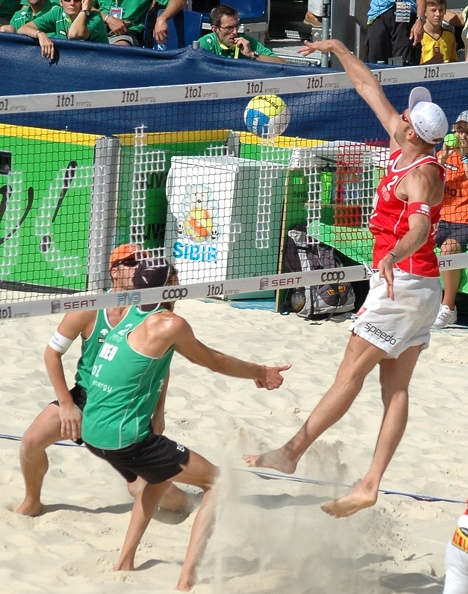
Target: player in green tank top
point(61, 419)
point(116, 417)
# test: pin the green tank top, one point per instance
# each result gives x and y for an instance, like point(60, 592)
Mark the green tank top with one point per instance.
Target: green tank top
point(90, 348)
point(124, 389)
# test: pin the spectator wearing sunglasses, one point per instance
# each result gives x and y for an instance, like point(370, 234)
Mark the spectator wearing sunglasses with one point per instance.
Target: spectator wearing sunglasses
point(225, 41)
point(73, 19)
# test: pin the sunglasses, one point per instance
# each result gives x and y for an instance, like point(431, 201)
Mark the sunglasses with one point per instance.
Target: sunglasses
point(230, 28)
point(129, 262)
point(405, 119)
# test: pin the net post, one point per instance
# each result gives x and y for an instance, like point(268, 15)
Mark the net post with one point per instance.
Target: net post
point(103, 214)
point(325, 31)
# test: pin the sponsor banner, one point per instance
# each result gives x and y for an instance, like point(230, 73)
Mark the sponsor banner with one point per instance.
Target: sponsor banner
point(222, 90)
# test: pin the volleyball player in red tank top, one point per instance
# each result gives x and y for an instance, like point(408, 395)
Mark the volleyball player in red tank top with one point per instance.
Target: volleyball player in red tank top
point(393, 325)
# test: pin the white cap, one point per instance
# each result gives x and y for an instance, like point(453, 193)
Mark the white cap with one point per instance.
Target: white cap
point(463, 117)
point(427, 118)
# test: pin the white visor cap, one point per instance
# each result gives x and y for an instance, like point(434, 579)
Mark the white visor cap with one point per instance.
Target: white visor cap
point(427, 118)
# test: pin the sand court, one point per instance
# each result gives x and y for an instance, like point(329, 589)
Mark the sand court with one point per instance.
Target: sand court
point(270, 536)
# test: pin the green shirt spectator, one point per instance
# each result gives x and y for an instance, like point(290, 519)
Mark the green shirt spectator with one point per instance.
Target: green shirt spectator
point(73, 19)
point(31, 12)
point(211, 43)
point(8, 9)
point(57, 21)
point(125, 19)
point(224, 40)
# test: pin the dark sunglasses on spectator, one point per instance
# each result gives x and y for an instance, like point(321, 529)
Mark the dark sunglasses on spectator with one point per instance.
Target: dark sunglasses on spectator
point(131, 262)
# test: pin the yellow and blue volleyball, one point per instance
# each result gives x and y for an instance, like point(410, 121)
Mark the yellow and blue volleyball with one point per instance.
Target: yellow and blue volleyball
point(267, 115)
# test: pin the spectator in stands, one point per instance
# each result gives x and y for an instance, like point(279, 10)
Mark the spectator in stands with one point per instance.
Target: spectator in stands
point(73, 19)
point(125, 19)
point(395, 31)
point(29, 12)
point(8, 9)
point(438, 45)
point(459, 18)
point(314, 14)
point(452, 236)
point(224, 40)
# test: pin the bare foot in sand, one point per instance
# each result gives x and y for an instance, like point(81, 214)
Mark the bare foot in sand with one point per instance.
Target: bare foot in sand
point(30, 509)
point(357, 499)
point(124, 565)
point(185, 583)
point(277, 459)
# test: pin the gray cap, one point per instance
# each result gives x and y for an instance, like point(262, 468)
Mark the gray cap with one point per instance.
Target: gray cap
point(463, 117)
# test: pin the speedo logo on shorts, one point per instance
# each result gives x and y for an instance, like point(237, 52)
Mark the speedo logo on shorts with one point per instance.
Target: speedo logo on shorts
point(180, 447)
point(380, 333)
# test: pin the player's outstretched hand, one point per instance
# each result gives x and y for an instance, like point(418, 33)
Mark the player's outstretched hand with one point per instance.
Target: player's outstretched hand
point(326, 45)
point(271, 377)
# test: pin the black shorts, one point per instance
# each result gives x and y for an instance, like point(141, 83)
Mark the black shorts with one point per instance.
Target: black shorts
point(457, 231)
point(79, 397)
point(388, 39)
point(156, 459)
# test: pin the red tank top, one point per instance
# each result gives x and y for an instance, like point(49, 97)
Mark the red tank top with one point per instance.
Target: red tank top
point(388, 222)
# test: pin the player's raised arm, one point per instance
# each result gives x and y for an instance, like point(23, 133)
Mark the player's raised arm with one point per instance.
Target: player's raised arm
point(363, 79)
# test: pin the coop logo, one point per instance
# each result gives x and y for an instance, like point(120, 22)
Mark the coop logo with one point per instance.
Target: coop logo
point(333, 276)
point(174, 294)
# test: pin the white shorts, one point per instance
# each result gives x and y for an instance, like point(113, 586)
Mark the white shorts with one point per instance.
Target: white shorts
point(456, 566)
point(394, 326)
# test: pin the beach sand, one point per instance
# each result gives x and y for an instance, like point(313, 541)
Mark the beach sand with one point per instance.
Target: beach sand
point(271, 536)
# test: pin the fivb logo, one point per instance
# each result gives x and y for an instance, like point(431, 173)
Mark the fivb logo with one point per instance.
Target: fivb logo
point(126, 298)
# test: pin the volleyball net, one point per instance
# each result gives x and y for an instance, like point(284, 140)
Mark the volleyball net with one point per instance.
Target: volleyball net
point(190, 173)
